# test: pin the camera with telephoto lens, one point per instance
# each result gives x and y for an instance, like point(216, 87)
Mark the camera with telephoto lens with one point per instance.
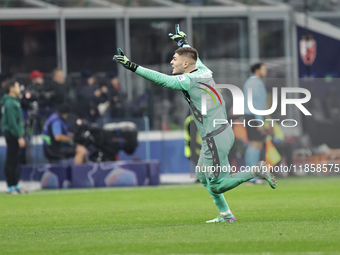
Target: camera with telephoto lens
point(107, 141)
point(41, 97)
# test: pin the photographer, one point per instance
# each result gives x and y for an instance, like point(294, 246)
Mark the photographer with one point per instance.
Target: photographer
point(57, 143)
point(37, 81)
point(12, 127)
point(40, 92)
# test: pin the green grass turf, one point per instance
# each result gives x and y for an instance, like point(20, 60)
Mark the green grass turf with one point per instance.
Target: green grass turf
point(301, 215)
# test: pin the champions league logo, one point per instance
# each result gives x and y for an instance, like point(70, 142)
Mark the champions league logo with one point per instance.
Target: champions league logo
point(238, 104)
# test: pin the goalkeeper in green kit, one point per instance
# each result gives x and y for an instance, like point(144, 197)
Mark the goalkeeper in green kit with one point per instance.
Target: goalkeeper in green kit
point(194, 80)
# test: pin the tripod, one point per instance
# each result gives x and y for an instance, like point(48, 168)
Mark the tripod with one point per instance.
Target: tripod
point(32, 127)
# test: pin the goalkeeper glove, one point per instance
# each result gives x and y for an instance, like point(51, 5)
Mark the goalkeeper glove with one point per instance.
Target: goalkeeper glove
point(180, 37)
point(123, 60)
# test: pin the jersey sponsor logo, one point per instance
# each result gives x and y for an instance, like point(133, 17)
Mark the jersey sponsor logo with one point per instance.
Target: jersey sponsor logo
point(181, 77)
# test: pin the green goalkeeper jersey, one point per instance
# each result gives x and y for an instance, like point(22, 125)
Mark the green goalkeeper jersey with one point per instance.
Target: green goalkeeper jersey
point(194, 85)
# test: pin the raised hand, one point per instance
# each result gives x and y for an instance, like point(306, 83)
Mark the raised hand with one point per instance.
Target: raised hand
point(123, 60)
point(180, 37)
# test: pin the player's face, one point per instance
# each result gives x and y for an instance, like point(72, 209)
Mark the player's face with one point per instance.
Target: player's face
point(178, 64)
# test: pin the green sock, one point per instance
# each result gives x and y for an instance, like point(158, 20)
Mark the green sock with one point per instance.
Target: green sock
point(233, 180)
point(242, 175)
point(219, 199)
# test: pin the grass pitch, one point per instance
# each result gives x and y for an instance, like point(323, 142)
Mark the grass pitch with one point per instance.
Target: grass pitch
point(302, 216)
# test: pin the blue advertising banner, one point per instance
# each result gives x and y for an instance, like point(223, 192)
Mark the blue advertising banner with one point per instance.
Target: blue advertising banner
point(106, 174)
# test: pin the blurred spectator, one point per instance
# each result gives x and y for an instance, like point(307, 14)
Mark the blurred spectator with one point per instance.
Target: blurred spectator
point(2, 92)
point(89, 95)
point(39, 92)
point(255, 134)
point(2, 87)
point(59, 86)
point(37, 81)
point(116, 97)
point(57, 141)
point(139, 105)
point(259, 95)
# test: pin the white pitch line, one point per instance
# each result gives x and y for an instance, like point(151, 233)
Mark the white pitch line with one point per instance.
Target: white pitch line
point(92, 190)
point(263, 253)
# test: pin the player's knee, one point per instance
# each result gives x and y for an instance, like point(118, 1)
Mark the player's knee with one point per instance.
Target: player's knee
point(81, 149)
point(215, 189)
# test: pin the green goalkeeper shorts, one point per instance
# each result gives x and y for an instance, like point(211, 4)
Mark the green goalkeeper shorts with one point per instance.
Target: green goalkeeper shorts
point(214, 156)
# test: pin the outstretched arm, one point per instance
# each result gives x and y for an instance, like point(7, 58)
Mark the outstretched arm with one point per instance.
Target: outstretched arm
point(178, 82)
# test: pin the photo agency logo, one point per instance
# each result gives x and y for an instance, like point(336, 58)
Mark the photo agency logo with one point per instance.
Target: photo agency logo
point(238, 104)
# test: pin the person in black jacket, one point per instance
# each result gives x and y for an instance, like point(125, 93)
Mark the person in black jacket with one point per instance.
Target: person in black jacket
point(115, 96)
point(89, 95)
point(41, 92)
point(59, 87)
